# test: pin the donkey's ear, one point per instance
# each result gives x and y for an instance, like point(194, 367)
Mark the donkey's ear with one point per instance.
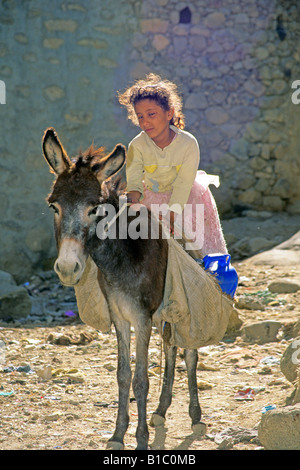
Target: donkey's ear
point(54, 152)
point(110, 164)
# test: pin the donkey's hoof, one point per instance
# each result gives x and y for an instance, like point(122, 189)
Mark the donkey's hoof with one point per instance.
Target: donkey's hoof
point(114, 445)
point(199, 429)
point(157, 420)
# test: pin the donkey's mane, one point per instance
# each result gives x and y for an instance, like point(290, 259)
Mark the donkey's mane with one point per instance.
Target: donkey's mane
point(89, 157)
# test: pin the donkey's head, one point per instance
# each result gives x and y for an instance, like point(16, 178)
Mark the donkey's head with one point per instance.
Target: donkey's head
point(75, 198)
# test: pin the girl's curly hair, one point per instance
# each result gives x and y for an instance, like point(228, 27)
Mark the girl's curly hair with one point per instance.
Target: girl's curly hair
point(163, 92)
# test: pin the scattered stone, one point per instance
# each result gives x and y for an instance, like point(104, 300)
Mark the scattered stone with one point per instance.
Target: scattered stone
point(45, 373)
point(109, 367)
point(284, 286)
point(233, 435)
point(25, 368)
point(66, 340)
point(93, 444)
point(14, 300)
point(34, 417)
point(262, 332)
point(249, 303)
point(279, 429)
point(204, 385)
point(276, 257)
point(295, 398)
point(296, 329)
point(59, 372)
point(226, 443)
point(290, 361)
point(258, 244)
point(202, 366)
point(74, 378)
point(294, 207)
point(54, 416)
point(265, 371)
point(49, 301)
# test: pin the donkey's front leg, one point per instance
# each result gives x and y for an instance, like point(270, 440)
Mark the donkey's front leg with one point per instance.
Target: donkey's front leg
point(165, 399)
point(140, 382)
point(124, 381)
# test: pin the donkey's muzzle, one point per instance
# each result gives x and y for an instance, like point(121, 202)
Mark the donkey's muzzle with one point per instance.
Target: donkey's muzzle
point(70, 263)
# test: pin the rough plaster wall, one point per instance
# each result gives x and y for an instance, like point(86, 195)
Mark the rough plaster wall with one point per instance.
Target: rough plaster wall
point(62, 63)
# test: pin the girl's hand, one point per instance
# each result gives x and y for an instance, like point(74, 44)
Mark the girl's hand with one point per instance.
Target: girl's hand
point(133, 196)
point(172, 219)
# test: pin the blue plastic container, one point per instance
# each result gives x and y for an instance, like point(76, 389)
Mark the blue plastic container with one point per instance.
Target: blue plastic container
point(226, 275)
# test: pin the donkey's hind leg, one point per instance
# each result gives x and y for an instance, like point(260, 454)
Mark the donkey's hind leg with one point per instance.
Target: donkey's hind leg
point(191, 359)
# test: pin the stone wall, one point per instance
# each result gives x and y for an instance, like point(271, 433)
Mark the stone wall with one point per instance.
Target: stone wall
point(235, 62)
point(62, 62)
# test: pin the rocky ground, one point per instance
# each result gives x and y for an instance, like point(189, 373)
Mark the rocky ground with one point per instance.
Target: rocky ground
point(58, 386)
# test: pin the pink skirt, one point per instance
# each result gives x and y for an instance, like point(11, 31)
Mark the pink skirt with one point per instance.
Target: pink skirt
point(199, 221)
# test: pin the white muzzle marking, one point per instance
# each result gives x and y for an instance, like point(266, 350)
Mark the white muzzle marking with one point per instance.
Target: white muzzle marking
point(70, 263)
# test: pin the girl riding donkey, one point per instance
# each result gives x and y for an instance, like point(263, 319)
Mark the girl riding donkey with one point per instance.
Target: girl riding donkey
point(163, 160)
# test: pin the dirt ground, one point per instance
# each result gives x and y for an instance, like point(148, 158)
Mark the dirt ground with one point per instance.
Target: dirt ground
point(64, 396)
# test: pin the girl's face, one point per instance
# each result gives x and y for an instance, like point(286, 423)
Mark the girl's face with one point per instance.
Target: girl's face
point(153, 119)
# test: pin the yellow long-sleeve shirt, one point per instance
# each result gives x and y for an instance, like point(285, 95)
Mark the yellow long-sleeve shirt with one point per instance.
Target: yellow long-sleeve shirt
point(173, 168)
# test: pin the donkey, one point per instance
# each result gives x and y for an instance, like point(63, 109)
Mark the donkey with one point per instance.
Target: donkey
point(131, 275)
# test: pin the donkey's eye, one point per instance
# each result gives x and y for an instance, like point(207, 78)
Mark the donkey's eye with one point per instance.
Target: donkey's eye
point(54, 208)
point(93, 211)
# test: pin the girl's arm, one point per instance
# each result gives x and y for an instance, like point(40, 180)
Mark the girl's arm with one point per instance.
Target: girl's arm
point(134, 172)
point(186, 176)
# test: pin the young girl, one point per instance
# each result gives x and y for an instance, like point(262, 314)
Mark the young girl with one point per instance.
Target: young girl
point(163, 160)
